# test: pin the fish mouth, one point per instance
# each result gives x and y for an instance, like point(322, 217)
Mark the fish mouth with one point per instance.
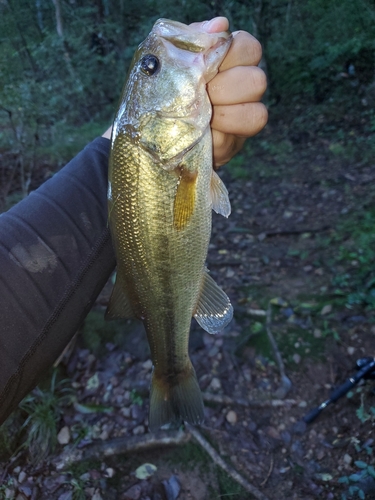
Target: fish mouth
point(211, 48)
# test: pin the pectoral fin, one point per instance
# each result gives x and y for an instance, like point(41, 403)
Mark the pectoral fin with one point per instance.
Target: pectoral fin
point(119, 306)
point(219, 196)
point(185, 198)
point(214, 310)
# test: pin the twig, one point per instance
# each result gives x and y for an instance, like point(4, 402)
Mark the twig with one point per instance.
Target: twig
point(224, 263)
point(286, 384)
point(287, 232)
point(121, 445)
point(256, 312)
point(269, 473)
point(280, 232)
point(227, 468)
point(255, 403)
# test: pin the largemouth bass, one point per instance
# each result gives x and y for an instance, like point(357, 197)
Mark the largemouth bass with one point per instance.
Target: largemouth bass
point(162, 189)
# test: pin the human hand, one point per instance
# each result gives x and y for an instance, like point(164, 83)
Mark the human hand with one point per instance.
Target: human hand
point(235, 93)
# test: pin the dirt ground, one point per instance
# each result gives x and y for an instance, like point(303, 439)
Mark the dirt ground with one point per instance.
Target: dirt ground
point(277, 244)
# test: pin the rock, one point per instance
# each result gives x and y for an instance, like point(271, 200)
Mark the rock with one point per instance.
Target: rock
point(347, 459)
point(231, 417)
point(140, 429)
point(317, 333)
point(296, 358)
point(262, 236)
point(97, 496)
point(9, 494)
point(126, 412)
point(22, 476)
point(63, 437)
point(215, 384)
point(286, 437)
point(172, 487)
point(351, 350)
point(109, 472)
point(213, 351)
point(68, 495)
point(147, 365)
point(133, 493)
point(104, 435)
point(273, 433)
point(230, 273)
point(26, 489)
point(299, 427)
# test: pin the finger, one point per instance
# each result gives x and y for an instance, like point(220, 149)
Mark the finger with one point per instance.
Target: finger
point(215, 25)
point(225, 146)
point(237, 85)
point(245, 50)
point(244, 120)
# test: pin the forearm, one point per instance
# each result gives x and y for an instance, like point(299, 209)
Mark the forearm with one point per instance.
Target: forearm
point(55, 257)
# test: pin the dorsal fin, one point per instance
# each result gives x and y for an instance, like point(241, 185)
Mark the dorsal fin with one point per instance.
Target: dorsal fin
point(214, 310)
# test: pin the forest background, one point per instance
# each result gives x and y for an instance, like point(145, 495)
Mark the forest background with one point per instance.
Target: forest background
point(63, 63)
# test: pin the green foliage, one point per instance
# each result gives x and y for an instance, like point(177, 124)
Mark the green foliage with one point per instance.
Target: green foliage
point(3, 487)
point(136, 398)
point(314, 54)
point(78, 489)
point(44, 409)
point(57, 77)
point(357, 253)
point(354, 491)
point(363, 414)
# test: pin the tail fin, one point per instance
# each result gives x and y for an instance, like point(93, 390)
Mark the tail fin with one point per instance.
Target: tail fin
point(175, 400)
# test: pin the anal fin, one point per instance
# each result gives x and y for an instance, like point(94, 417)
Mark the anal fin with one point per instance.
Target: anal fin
point(118, 305)
point(214, 310)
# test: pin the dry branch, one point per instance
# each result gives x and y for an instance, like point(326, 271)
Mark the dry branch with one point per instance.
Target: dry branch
point(121, 445)
point(286, 384)
point(252, 403)
point(269, 473)
point(227, 468)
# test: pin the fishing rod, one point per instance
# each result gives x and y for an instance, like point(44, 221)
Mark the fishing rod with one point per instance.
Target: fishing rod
point(366, 370)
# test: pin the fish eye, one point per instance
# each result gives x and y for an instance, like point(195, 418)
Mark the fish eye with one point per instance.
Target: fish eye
point(149, 64)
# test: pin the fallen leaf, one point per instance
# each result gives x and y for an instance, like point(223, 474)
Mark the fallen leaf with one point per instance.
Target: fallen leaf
point(145, 471)
point(326, 309)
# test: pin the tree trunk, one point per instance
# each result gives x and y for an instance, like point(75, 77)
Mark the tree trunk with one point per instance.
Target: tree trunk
point(59, 23)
